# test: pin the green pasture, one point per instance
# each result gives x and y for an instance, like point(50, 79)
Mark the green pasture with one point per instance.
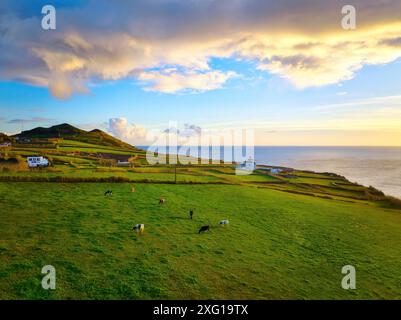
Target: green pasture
point(278, 245)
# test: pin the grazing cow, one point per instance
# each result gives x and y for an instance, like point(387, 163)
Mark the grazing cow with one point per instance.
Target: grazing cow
point(204, 229)
point(108, 193)
point(162, 201)
point(191, 213)
point(139, 228)
point(224, 222)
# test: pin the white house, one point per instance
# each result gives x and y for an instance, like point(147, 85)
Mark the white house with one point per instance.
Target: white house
point(249, 164)
point(123, 163)
point(34, 162)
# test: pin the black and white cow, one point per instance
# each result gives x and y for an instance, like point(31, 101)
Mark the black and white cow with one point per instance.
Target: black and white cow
point(204, 229)
point(140, 227)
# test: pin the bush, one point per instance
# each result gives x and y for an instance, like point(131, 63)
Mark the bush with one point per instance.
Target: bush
point(375, 191)
point(374, 194)
point(13, 164)
point(394, 201)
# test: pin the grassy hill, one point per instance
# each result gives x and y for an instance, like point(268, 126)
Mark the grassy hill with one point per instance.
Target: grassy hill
point(69, 132)
point(59, 131)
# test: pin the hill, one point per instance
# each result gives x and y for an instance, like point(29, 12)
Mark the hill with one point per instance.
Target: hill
point(67, 131)
point(5, 138)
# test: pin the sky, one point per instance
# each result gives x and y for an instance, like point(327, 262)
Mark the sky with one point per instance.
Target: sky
point(287, 70)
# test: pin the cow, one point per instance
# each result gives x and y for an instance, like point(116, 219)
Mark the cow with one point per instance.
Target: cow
point(224, 222)
point(132, 189)
point(108, 193)
point(162, 201)
point(191, 213)
point(139, 228)
point(204, 229)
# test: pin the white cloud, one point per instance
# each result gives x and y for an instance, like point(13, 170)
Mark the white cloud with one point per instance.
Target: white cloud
point(190, 130)
point(132, 133)
point(173, 81)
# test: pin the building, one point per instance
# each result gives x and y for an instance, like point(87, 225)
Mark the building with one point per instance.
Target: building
point(249, 165)
point(123, 164)
point(34, 162)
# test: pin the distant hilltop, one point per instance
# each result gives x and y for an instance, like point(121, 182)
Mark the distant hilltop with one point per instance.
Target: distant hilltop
point(5, 138)
point(67, 131)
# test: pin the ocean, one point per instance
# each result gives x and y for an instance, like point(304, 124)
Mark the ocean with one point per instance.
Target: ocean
point(379, 167)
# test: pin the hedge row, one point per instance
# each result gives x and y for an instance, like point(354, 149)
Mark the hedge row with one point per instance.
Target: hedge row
point(97, 180)
point(60, 179)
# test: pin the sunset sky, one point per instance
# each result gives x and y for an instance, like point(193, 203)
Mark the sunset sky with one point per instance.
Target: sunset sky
point(284, 68)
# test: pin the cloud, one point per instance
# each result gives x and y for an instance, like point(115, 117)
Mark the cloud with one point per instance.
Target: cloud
point(396, 42)
point(333, 59)
point(168, 45)
point(172, 81)
point(190, 130)
point(32, 120)
point(383, 101)
point(120, 128)
point(172, 130)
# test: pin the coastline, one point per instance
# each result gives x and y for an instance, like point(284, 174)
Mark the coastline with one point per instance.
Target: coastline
point(379, 167)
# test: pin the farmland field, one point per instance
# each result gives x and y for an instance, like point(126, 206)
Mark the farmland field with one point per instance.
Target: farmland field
point(278, 244)
point(289, 234)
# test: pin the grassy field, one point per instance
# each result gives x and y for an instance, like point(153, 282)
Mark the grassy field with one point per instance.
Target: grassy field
point(289, 234)
point(278, 245)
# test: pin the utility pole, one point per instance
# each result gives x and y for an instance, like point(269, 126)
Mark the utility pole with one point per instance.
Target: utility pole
point(175, 173)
